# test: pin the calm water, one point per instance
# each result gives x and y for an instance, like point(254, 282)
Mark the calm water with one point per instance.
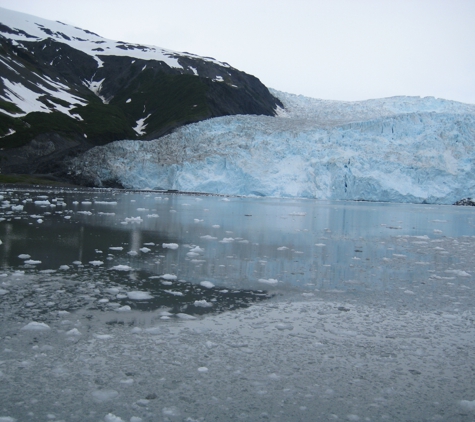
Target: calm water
point(250, 245)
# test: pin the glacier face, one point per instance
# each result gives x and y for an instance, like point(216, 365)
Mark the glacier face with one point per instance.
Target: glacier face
point(399, 149)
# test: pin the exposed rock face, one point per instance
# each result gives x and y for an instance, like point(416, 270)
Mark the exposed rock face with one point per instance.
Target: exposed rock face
point(467, 202)
point(71, 85)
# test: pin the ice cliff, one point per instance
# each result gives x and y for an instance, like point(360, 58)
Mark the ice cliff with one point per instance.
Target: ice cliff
point(399, 149)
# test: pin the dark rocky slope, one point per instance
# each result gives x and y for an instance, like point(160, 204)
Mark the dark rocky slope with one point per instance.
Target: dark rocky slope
point(89, 98)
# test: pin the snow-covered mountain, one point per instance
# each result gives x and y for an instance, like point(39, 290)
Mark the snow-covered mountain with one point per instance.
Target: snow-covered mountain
point(400, 149)
point(64, 89)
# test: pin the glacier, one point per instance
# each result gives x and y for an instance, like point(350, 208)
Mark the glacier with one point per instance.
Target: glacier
point(398, 149)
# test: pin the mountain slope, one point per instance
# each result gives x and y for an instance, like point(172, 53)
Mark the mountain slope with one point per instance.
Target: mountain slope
point(401, 149)
point(67, 89)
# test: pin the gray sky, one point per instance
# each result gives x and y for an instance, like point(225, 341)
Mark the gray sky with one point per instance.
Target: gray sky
point(330, 49)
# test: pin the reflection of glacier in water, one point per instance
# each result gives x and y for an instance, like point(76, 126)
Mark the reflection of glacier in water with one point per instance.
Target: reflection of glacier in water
point(370, 311)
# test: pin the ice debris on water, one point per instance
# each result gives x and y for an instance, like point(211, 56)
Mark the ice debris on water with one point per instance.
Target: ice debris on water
point(121, 268)
point(125, 308)
point(101, 396)
point(110, 417)
point(139, 295)
point(94, 263)
point(207, 284)
point(169, 276)
point(467, 404)
point(268, 281)
point(36, 326)
point(170, 245)
point(73, 332)
point(203, 303)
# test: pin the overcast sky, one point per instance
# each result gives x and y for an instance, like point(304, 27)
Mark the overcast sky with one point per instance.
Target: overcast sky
point(331, 49)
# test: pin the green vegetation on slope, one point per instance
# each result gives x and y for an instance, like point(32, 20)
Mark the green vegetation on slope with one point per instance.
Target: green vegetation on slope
point(171, 100)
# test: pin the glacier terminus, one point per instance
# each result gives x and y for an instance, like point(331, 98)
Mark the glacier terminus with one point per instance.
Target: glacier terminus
point(399, 149)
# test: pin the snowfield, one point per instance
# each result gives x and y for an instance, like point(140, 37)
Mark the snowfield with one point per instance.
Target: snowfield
point(400, 149)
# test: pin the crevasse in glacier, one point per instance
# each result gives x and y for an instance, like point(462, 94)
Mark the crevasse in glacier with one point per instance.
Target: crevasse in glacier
point(399, 149)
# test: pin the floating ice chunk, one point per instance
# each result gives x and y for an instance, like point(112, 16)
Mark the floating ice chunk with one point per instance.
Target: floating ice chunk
point(106, 202)
point(227, 240)
point(137, 220)
point(113, 290)
point(110, 417)
point(116, 248)
point(103, 336)
point(208, 237)
point(86, 202)
point(103, 301)
point(101, 396)
point(197, 249)
point(32, 262)
point(282, 326)
point(458, 273)
point(67, 217)
point(202, 369)
point(77, 262)
point(203, 304)
point(181, 315)
point(46, 202)
point(17, 207)
point(36, 326)
point(298, 214)
point(125, 308)
point(39, 221)
point(139, 295)
point(95, 263)
point(467, 404)
point(85, 212)
point(168, 276)
point(144, 249)
point(64, 267)
point(268, 281)
point(207, 284)
point(173, 292)
point(170, 245)
point(197, 220)
point(7, 419)
point(121, 268)
point(216, 226)
point(73, 332)
point(133, 253)
point(149, 244)
point(282, 248)
point(24, 256)
point(3, 292)
point(152, 215)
